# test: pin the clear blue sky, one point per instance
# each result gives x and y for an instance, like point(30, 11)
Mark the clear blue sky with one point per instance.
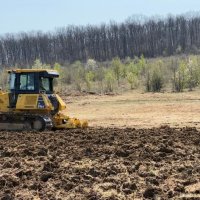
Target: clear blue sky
point(46, 15)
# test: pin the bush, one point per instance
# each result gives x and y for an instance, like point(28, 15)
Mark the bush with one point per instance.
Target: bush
point(78, 75)
point(180, 77)
point(89, 78)
point(109, 80)
point(156, 82)
point(153, 78)
point(39, 65)
point(132, 80)
point(117, 69)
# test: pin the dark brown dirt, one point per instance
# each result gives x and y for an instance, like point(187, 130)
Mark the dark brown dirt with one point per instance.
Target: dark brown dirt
point(101, 163)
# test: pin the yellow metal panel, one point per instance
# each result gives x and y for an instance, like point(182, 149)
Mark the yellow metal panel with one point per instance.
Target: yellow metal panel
point(31, 100)
point(62, 105)
point(47, 102)
point(27, 101)
point(4, 102)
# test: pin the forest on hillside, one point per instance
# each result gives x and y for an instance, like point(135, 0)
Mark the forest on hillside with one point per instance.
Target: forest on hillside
point(151, 38)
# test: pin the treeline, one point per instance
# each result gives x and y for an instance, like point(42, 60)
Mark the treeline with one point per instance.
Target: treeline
point(152, 38)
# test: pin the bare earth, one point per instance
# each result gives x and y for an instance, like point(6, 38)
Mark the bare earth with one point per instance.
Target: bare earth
point(120, 157)
point(100, 164)
point(137, 109)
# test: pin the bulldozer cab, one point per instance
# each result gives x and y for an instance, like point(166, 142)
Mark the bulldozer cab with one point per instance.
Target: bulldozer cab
point(30, 81)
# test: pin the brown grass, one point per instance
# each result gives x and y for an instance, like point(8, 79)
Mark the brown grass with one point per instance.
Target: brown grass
point(137, 109)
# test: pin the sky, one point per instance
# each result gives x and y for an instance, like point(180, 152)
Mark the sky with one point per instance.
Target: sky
point(47, 15)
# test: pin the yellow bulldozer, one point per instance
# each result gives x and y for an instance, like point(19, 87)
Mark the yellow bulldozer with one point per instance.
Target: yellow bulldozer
point(32, 104)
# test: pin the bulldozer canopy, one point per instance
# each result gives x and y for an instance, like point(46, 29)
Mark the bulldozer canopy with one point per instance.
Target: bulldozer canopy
point(44, 72)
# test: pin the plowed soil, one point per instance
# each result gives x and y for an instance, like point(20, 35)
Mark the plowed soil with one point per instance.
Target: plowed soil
point(101, 163)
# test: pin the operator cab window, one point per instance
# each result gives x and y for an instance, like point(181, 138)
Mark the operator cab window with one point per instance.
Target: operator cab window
point(46, 84)
point(12, 81)
point(27, 82)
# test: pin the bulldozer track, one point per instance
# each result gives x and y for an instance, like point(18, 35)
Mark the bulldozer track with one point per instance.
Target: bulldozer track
point(10, 122)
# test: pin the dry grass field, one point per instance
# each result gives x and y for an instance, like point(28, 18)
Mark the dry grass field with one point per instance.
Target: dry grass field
point(137, 109)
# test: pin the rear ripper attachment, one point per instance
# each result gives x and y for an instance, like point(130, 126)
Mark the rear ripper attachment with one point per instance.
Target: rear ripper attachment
point(62, 122)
